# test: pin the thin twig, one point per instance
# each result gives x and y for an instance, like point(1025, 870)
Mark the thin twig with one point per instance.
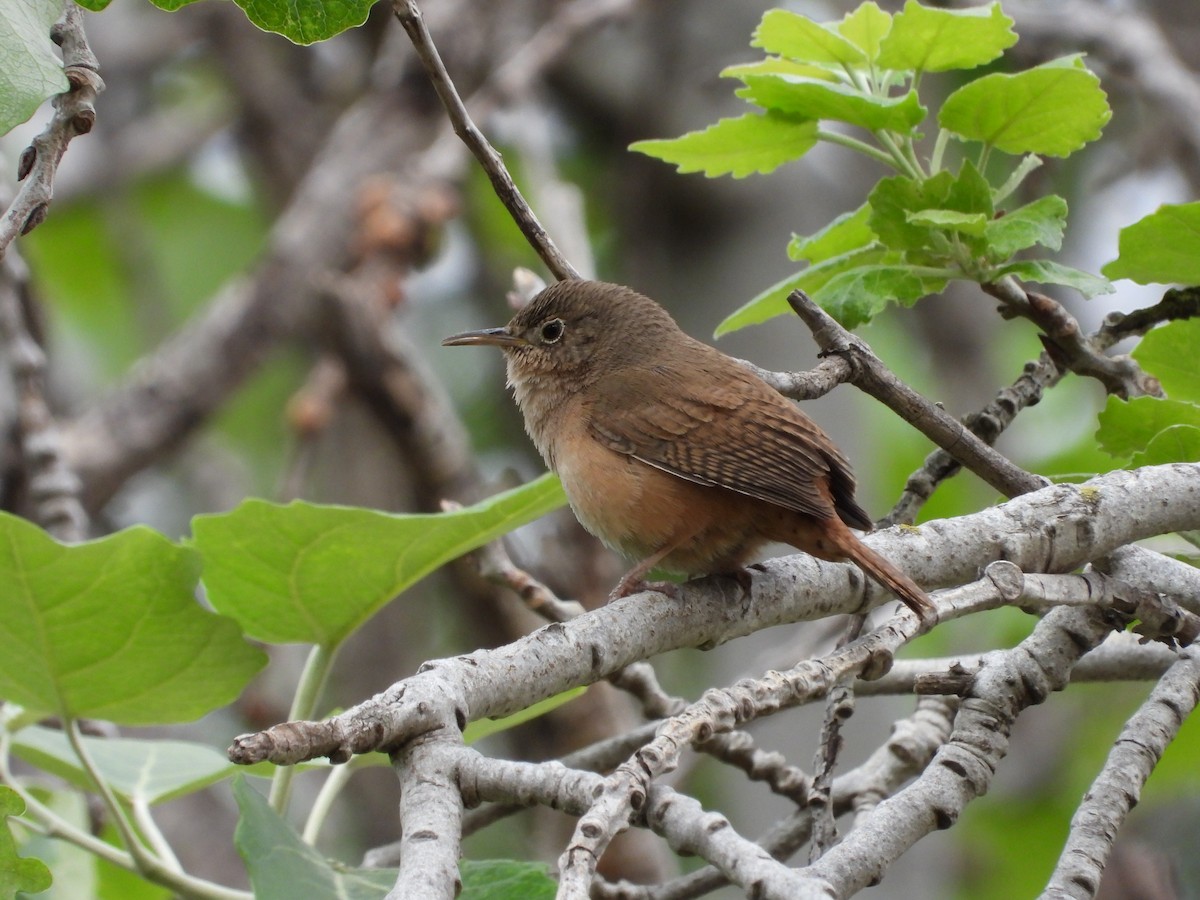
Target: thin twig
point(506, 189)
point(872, 376)
point(1038, 376)
point(839, 706)
point(987, 424)
point(1066, 343)
point(1177, 303)
point(74, 114)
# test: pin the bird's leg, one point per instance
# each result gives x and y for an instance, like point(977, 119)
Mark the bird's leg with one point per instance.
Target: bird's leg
point(634, 580)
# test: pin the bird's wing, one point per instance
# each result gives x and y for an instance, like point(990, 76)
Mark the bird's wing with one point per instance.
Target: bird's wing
point(719, 425)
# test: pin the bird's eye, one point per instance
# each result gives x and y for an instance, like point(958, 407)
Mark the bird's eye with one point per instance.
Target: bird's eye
point(552, 331)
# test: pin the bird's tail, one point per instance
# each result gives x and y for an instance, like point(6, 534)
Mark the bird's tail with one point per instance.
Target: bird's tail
point(891, 578)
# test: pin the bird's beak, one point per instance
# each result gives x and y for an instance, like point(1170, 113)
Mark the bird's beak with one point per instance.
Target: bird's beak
point(498, 337)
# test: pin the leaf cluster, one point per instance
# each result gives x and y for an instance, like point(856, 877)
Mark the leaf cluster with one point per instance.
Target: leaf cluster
point(856, 83)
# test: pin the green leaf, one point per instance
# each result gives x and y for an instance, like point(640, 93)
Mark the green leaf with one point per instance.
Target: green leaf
point(866, 27)
point(773, 65)
point(1128, 426)
point(970, 192)
point(1170, 353)
point(1045, 271)
point(857, 296)
point(17, 874)
point(950, 220)
point(1040, 222)
point(814, 98)
point(738, 147)
point(1052, 110)
point(313, 574)
point(773, 301)
point(502, 879)
point(797, 37)
point(300, 21)
point(283, 867)
point(847, 232)
point(30, 69)
point(151, 771)
point(891, 201)
point(481, 728)
point(936, 40)
point(111, 629)
point(1162, 248)
point(1177, 444)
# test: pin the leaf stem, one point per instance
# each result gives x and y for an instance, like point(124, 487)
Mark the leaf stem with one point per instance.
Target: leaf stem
point(338, 778)
point(903, 163)
point(1027, 165)
point(939, 151)
point(853, 143)
point(142, 856)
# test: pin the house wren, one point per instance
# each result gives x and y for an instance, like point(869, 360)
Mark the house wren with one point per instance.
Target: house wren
point(671, 452)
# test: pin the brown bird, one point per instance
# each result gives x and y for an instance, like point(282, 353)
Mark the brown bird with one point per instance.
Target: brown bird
point(671, 452)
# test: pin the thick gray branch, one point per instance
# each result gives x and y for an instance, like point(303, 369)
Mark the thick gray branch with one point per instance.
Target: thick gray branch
point(1056, 529)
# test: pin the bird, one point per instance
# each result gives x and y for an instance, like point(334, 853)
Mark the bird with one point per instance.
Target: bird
point(673, 454)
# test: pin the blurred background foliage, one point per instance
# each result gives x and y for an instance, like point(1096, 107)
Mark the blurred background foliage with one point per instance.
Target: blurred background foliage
point(196, 152)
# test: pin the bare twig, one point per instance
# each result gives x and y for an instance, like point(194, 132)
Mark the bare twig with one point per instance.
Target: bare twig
point(1038, 376)
point(74, 114)
point(872, 376)
point(1177, 303)
point(839, 706)
point(987, 424)
point(506, 189)
point(1068, 346)
point(817, 382)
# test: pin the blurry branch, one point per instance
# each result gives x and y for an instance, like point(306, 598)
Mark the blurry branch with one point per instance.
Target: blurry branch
point(53, 487)
point(506, 189)
point(175, 390)
point(74, 114)
point(869, 374)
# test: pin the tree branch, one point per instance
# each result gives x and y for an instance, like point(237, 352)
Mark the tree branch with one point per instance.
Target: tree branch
point(409, 16)
point(1117, 788)
point(74, 114)
point(868, 373)
point(1055, 529)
